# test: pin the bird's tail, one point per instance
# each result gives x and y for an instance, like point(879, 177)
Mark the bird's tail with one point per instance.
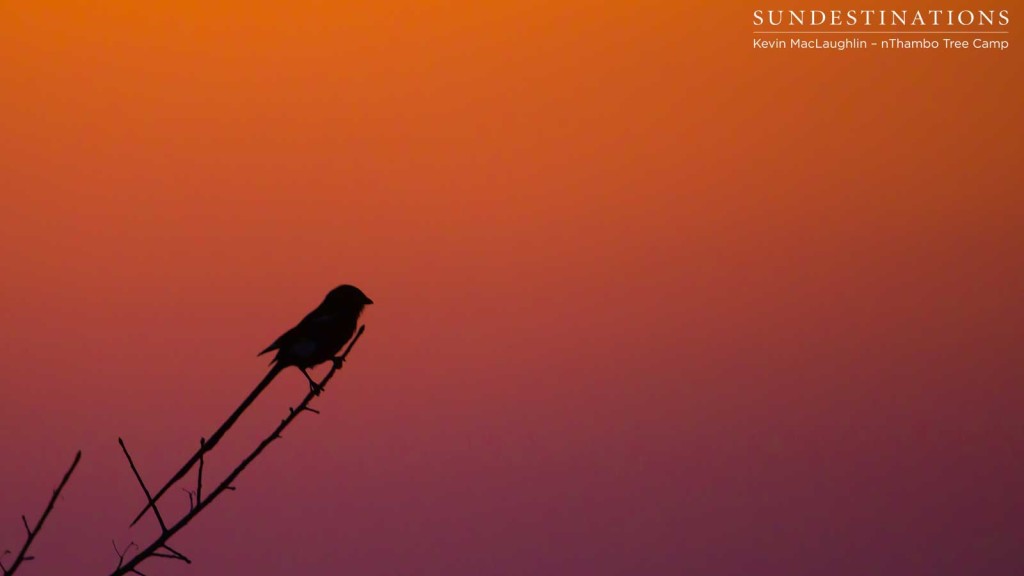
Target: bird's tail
point(212, 441)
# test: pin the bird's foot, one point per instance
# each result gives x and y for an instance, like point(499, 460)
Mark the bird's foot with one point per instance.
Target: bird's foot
point(314, 386)
point(338, 361)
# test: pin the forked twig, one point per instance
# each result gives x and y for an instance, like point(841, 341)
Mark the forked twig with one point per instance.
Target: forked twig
point(159, 545)
point(210, 443)
point(31, 534)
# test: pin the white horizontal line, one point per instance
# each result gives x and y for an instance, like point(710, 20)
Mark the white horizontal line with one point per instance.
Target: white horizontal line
point(892, 33)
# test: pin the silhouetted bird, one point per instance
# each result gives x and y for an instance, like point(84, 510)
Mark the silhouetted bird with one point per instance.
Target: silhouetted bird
point(322, 333)
point(314, 340)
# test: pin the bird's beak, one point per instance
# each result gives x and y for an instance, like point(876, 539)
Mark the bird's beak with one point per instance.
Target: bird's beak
point(368, 301)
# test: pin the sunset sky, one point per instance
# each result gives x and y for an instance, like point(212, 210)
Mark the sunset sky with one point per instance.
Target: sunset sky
point(647, 301)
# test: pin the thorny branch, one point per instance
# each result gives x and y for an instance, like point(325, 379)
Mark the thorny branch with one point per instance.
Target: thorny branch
point(31, 534)
point(159, 548)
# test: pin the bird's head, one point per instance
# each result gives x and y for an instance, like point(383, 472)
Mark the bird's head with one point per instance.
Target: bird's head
point(347, 296)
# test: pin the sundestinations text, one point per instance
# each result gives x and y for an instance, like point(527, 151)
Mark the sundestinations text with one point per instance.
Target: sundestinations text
point(884, 18)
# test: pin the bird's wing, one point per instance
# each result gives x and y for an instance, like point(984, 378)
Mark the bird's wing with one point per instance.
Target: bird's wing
point(313, 318)
point(281, 340)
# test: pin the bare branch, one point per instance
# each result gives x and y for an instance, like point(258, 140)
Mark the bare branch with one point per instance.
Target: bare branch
point(213, 440)
point(23, 554)
point(145, 490)
point(160, 543)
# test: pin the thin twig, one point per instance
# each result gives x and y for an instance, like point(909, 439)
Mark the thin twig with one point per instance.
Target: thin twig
point(199, 480)
point(160, 543)
point(145, 490)
point(121, 553)
point(176, 554)
point(23, 554)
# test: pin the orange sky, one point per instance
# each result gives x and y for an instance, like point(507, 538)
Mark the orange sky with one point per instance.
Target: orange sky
point(648, 301)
